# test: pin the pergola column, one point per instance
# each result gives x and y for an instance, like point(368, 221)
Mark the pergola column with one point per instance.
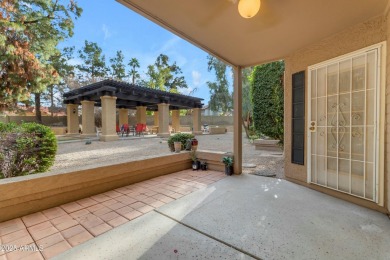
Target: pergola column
point(196, 121)
point(155, 117)
point(88, 118)
point(237, 117)
point(163, 120)
point(141, 115)
point(176, 120)
point(72, 119)
point(123, 116)
point(108, 119)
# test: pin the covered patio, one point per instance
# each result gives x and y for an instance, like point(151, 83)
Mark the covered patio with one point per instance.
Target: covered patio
point(334, 141)
point(242, 216)
point(111, 95)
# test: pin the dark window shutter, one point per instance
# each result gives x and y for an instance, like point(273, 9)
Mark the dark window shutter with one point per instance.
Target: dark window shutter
point(298, 118)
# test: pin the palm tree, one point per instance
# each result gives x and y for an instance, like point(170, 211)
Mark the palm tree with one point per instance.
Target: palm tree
point(134, 64)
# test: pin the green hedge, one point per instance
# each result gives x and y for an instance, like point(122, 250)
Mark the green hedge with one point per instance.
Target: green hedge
point(267, 97)
point(25, 149)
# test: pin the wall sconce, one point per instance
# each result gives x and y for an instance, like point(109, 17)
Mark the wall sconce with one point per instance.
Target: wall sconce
point(74, 110)
point(248, 8)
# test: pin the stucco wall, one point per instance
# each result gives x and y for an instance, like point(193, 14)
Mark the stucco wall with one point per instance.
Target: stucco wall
point(387, 124)
point(352, 39)
point(187, 120)
point(46, 120)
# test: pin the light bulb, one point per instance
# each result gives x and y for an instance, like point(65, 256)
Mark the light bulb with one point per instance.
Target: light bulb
point(248, 8)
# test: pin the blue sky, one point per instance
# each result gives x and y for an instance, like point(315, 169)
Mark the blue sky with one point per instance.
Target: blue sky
point(115, 27)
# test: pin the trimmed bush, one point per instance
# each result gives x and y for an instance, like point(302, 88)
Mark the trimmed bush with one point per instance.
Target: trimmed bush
point(268, 97)
point(26, 149)
point(180, 137)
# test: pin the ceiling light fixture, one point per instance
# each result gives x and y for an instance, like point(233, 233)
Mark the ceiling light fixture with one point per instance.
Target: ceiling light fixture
point(248, 8)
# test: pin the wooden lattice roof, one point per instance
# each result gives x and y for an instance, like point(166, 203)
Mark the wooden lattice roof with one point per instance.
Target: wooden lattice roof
point(130, 96)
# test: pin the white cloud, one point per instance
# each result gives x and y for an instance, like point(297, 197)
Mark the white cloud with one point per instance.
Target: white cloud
point(75, 61)
point(170, 48)
point(186, 91)
point(169, 45)
point(106, 31)
point(196, 78)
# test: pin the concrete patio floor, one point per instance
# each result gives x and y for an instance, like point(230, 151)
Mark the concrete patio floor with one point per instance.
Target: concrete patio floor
point(53, 231)
point(243, 217)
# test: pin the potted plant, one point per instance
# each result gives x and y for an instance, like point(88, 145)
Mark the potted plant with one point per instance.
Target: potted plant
point(228, 161)
point(203, 166)
point(180, 137)
point(195, 161)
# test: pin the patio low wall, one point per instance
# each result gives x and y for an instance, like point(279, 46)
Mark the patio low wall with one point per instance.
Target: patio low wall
point(213, 159)
point(57, 130)
point(24, 195)
point(217, 130)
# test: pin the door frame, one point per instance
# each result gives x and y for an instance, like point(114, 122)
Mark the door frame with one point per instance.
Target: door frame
point(381, 116)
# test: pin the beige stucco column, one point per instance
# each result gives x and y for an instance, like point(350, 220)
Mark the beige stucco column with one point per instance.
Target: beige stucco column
point(163, 120)
point(141, 115)
point(88, 118)
point(155, 117)
point(108, 119)
point(386, 132)
point(196, 122)
point(72, 119)
point(237, 117)
point(176, 120)
point(123, 116)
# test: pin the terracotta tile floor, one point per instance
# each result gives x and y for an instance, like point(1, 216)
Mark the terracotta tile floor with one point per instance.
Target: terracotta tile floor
point(58, 229)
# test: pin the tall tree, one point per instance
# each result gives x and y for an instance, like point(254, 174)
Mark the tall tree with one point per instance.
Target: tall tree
point(133, 73)
point(93, 67)
point(165, 76)
point(65, 70)
point(220, 98)
point(118, 70)
point(30, 31)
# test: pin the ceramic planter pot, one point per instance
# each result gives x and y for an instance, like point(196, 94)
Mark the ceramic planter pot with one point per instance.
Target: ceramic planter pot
point(195, 165)
point(229, 170)
point(194, 144)
point(177, 146)
point(171, 147)
point(203, 166)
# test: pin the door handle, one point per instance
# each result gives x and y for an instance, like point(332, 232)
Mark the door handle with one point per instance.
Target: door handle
point(312, 128)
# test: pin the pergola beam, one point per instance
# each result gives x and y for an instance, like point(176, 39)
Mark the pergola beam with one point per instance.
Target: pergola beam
point(129, 96)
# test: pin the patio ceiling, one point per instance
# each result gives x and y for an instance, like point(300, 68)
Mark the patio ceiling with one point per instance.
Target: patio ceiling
point(280, 28)
point(130, 96)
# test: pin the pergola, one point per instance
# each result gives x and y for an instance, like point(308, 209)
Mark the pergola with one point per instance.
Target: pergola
point(112, 95)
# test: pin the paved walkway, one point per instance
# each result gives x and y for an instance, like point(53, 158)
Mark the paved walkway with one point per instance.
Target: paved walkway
point(59, 229)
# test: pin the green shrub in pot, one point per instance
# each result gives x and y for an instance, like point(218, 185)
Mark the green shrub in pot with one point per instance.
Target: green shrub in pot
point(179, 137)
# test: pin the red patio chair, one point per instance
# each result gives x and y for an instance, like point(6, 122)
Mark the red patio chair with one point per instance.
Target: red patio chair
point(139, 129)
point(118, 130)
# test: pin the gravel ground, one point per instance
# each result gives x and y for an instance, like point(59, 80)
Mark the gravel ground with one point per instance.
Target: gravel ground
point(72, 156)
